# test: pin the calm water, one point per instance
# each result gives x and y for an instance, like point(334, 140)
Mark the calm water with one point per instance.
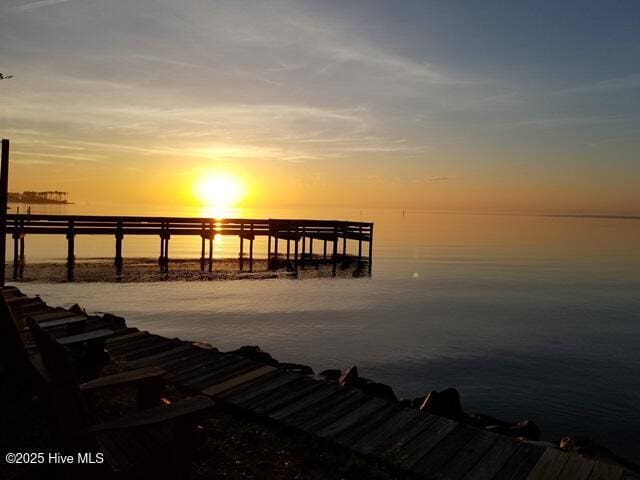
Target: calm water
point(529, 317)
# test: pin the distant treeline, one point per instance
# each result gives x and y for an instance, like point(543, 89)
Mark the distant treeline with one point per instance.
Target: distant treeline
point(39, 197)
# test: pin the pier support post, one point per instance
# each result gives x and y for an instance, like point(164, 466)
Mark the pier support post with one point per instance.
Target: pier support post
point(251, 249)
point(295, 255)
point(166, 252)
point(202, 252)
point(335, 253)
point(211, 237)
point(370, 247)
point(344, 247)
point(22, 258)
point(161, 257)
point(202, 248)
point(360, 245)
point(288, 247)
point(16, 261)
point(241, 257)
point(269, 252)
point(303, 247)
point(117, 261)
point(324, 250)
point(275, 250)
point(71, 236)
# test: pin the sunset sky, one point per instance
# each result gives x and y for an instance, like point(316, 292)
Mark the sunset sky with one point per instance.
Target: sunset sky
point(440, 105)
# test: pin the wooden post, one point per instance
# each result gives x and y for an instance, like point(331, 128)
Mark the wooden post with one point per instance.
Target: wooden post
point(269, 251)
point(324, 250)
point(370, 247)
point(360, 245)
point(288, 246)
point(202, 239)
point(161, 257)
point(166, 250)
point(335, 251)
point(344, 246)
point(275, 250)
point(22, 259)
point(211, 236)
point(118, 258)
point(311, 248)
point(251, 249)
point(4, 188)
point(241, 246)
point(295, 253)
point(16, 261)
point(303, 247)
point(70, 250)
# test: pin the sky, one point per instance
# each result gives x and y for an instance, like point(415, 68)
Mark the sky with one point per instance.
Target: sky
point(430, 104)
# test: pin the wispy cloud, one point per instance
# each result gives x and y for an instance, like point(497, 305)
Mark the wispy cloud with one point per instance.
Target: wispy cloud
point(26, 7)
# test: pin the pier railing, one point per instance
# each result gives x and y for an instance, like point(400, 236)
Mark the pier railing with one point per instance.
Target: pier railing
point(292, 231)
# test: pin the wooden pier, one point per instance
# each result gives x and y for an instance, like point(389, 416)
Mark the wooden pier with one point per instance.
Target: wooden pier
point(297, 236)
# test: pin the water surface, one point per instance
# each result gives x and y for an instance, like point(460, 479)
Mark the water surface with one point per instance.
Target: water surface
point(529, 317)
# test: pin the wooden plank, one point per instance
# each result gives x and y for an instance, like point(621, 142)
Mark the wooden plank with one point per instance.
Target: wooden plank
point(398, 441)
point(318, 408)
point(446, 449)
point(120, 339)
point(549, 465)
point(409, 454)
point(198, 367)
point(378, 435)
point(63, 322)
point(85, 337)
point(604, 470)
point(134, 345)
point(287, 395)
point(274, 389)
point(331, 415)
point(370, 407)
point(320, 394)
point(43, 317)
point(179, 351)
point(216, 377)
point(520, 463)
point(368, 424)
point(258, 387)
point(213, 366)
point(149, 350)
point(472, 453)
point(216, 389)
point(494, 459)
point(577, 467)
point(131, 376)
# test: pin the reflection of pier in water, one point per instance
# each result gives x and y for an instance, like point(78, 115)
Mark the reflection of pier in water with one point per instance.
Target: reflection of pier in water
point(296, 236)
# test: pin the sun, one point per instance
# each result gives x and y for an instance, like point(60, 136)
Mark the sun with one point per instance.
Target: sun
point(219, 190)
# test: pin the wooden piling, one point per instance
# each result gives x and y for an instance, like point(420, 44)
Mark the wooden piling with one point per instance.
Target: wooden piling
point(302, 254)
point(22, 257)
point(370, 247)
point(360, 245)
point(269, 252)
point(251, 250)
point(16, 261)
point(241, 258)
point(335, 253)
point(118, 256)
point(344, 247)
point(70, 250)
point(295, 254)
point(211, 238)
point(324, 250)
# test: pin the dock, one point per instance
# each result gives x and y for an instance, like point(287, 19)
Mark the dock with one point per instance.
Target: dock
point(291, 240)
point(430, 446)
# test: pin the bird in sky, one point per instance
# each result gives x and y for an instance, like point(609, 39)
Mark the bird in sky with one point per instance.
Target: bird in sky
point(2, 77)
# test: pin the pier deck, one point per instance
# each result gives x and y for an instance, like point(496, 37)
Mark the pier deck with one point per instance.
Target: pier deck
point(431, 446)
point(300, 232)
